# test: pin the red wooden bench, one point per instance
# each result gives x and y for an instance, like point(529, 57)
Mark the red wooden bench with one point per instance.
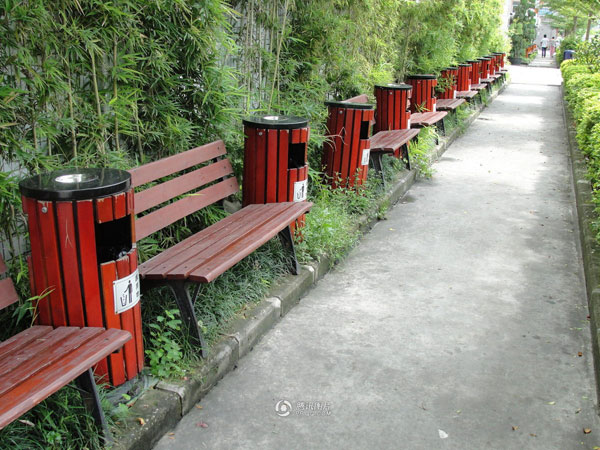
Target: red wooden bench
point(449, 104)
point(203, 177)
point(427, 119)
point(467, 95)
point(39, 361)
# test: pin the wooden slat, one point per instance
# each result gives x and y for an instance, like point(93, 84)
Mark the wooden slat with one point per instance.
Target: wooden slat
point(282, 165)
point(119, 205)
point(70, 266)
point(271, 166)
point(137, 317)
point(248, 243)
point(28, 360)
point(338, 150)
point(354, 159)
point(347, 144)
point(260, 161)
point(249, 180)
point(127, 323)
point(163, 192)
point(161, 263)
point(50, 258)
point(49, 380)
point(38, 274)
point(212, 239)
point(169, 214)
point(108, 274)
point(104, 209)
point(176, 163)
point(3, 268)
point(23, 338)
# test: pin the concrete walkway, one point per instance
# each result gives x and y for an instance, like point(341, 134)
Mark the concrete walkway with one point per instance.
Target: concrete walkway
point(459, 322)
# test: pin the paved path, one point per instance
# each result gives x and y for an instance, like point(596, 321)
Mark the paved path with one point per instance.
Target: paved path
point(457, 323)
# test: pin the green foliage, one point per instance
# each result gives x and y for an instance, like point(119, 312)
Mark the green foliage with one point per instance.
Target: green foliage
point(162, 349)
point(568, 43)
point(582, 91)
point(522, 28)
point(588, 53)
point(60, 422)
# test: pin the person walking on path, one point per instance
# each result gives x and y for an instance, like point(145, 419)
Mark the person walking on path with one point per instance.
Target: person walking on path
point(544, 45)
point(552, 47)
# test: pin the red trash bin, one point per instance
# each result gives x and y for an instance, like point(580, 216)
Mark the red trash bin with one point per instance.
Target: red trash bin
point(346, 152)
point(83, 260)
point(275, 160)
point(484, 67)
point(423, 92)
point(463, 80)
point(475, 71)
point(451, 75)
point(393, 111)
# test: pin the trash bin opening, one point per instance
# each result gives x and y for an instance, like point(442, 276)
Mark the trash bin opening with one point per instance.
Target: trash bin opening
point(364, 129)
point(297, 156)
point(113, 239)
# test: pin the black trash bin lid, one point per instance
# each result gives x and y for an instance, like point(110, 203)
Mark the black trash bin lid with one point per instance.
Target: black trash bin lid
point(277, 122)
point(75, 184)
point(349, 105)
point(394, 86)
point(421, 76)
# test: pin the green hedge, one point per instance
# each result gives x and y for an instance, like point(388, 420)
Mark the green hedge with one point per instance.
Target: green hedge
point(582, 92)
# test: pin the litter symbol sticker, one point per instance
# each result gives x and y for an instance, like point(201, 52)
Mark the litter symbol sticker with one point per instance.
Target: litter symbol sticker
point(126, 292)
point(365, 157)
point(300, 190)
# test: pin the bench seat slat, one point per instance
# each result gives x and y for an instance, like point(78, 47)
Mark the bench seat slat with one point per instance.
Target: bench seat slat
point(163, 192)
point(176, 163)
point(27, 361)
point(23, 338)
point(51, 378)
point(248, 243)
point(449, 104)
point(391, 141)
point(180, 252)
point(156, 220)
point(426, 118)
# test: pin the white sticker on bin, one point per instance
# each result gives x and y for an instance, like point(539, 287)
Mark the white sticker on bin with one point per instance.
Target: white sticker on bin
point(300, 190)
point(127, 292)
point(365, 157)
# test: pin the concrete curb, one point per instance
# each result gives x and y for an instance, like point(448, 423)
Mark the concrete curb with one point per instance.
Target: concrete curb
point(162, 407)
point(589, 247)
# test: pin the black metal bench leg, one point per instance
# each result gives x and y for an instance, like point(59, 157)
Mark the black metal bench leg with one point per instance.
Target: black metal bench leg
point(377, 163)
point(287, 241)
point(188, 315)
point(405, 156)
point(442, 126)
point(89, 392)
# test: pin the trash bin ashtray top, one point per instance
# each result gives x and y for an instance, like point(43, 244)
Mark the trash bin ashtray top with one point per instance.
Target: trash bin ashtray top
point(75, 184)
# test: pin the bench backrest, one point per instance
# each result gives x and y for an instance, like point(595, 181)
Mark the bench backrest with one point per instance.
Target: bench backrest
point(362, 98)
point(8, 294)
point(213, 175)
